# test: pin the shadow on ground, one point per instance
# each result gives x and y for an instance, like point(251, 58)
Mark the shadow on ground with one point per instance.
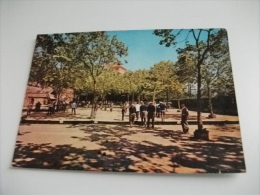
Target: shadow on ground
point(119, 152)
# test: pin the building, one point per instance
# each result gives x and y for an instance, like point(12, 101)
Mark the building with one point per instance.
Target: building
point(120, 69)
point(37, 94)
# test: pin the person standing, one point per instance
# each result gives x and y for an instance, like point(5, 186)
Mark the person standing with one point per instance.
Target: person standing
point(132, 113)
point(123, 111)
point(137, 107)
point(150, 114)
point(158, 109)
point(50, 105)
point(64, 106)
point(53, 107)
point(162, 110)
point(38, 106)
point(73, 107)
point(29, 108)
point(184, 118)
point(111, 106)
point(143, 114)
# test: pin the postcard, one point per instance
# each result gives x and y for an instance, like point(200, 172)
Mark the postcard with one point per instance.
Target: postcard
point(142, 101)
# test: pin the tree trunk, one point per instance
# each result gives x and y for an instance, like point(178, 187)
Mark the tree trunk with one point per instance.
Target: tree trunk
point(211, 115)
point(138, 98)
point(167, 96)
point(58, 102)
point(94, 107)
point(199, 121)
point(189, 91)
point(133, 97)
point(179, 105)
point(102, 102)
point(154, 95)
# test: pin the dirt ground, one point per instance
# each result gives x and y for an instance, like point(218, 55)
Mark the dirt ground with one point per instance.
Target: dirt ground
point(118, 148)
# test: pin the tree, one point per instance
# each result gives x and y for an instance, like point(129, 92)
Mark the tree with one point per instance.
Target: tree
point(140, 82)
point(107, 83)
point(42, 58)
point(128, 85)
point(162, 78)
point(53, 63)
point(95, 50)
point(216, 75)
point(202, 42)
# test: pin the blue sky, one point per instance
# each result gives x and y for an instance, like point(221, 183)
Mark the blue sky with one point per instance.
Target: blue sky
point(144, 49)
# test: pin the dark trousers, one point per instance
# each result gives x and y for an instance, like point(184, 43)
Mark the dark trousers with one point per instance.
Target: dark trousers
point(158, 112)
point(73, 110)
point(150, 117)
point(131, 119)
point(50, 110)
point(185, 125)
point(143, 117)
point(123, 116)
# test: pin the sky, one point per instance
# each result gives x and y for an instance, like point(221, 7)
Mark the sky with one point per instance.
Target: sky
point(144, 49)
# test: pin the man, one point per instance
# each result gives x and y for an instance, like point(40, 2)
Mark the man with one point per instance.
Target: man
point(50, 107)
point(38, 106)
point(53, 107)
point(163, 110)
point(132, 113)
point(137, 107)
point(143, 113)
point(158, 109)
point(123, 111)
point(111, 106)
point(184, 118)
point(73, 108)
point(29, 108)
point(150, 115)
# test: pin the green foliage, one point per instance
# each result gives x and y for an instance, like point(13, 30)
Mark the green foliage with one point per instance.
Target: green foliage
point(74, 60)
point(163, 78)
point(81, 61)
point(206, 44)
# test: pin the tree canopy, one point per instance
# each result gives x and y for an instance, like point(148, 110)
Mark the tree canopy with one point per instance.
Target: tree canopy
point(81, 61)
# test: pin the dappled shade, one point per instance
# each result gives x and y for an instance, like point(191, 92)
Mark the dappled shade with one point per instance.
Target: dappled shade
point(120, 149)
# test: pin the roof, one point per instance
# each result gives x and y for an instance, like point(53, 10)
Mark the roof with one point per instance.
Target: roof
point(37, 90)
point(38, 95)
point(120, 69)
point(52, 97)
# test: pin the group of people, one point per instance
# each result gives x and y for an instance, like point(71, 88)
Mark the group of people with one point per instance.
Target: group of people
point(55, 106)
point(147, 113)
point(30, 107)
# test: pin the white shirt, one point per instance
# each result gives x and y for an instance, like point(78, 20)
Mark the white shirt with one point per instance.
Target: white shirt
point(74, 105)
point(137, 107)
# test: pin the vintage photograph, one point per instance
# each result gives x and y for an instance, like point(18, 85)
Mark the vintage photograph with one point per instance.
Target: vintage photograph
point(144, 101)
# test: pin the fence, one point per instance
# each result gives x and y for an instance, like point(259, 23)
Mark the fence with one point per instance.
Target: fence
point(221, 105)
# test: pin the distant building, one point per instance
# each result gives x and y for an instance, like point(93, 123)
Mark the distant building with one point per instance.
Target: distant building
point(120, 69)
point(37, 94)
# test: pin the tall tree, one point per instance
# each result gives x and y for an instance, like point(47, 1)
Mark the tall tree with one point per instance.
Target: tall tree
point(139, 79)
point(161, 77)
point(107, 83)
point(199, 42)
point(53, 63)
point(95, 50)
point(42, 58)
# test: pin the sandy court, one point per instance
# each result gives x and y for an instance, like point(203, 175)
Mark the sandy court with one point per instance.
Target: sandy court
point(101, 147)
